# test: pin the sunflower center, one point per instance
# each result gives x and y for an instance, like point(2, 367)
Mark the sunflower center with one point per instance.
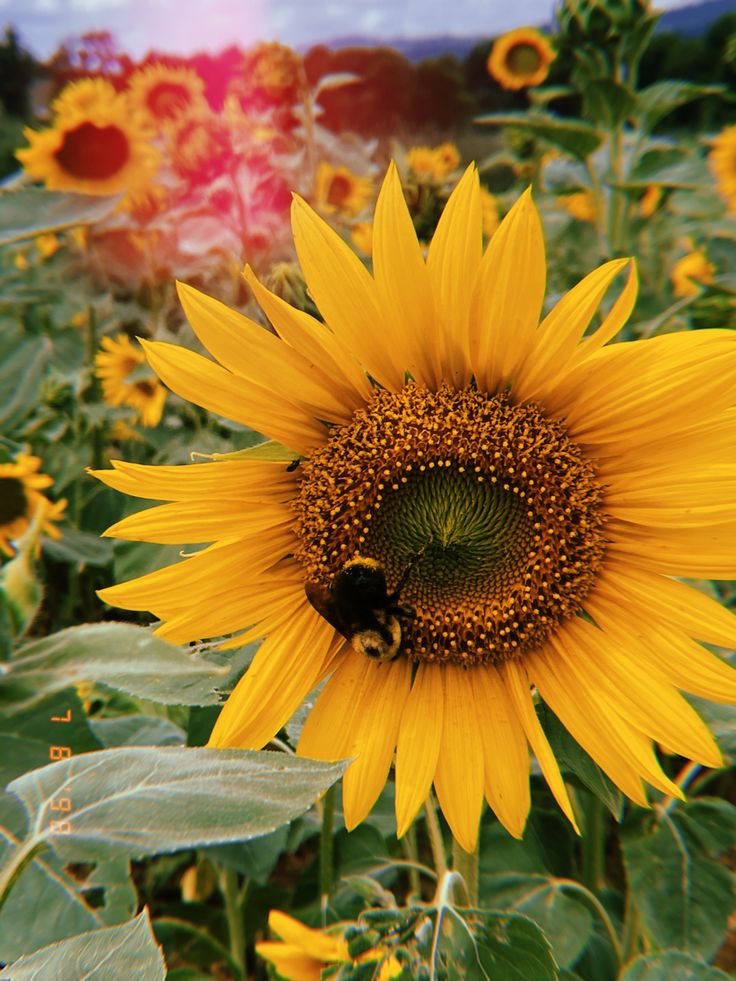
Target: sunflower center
point(339, 191)
point(523, 59)
point(484, 513)
point(92, 152)
point(166, 100)
point(13, 502)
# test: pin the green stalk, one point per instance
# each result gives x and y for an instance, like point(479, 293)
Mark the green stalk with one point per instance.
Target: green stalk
point(466, 863)
point(326, 866)
point(434, 832)
point(410, 849)
point(594, 844)
point(234, 915)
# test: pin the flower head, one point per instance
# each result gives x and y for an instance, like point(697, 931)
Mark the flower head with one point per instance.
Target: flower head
point(433, 164)
point(580, 205)
point(528, 493)
point(94, 147)
point(337, 190)
point(114, 365)
point(690, 272)
point(163, 94)
point(722, 160)
point(201, 147)
point(21, 484)
point(520, 58)
point(85, 95)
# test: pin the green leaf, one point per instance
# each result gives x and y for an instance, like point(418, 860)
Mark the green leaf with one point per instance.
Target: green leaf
point(80, 548)
point(137, 730)
point(658, 100)
point(22, 369)
point(609, 102)
point(573, 758)
point(31, 211)
point(497, 946)
point(670, 965)
point(574, 136)
point(118, 655)
point(255, 859)
point(131, 948)
point(684, 896)
point(668, 166)
point(565, 921)
point(145, 800)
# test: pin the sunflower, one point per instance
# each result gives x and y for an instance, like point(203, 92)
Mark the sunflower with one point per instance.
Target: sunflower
point(690, 272)
point(433, 164)
point(164, 94)
point(20, 498)
point(201, 147)
point(84, 95)
point(98, 149)
point(722, 160)
point(579, 205)
point(303, 953)
point(533, 491)
point(520, 58)
point(337, 190)
point(113, 366)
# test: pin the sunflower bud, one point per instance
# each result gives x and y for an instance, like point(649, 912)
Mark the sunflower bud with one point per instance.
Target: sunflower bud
point(286, 281)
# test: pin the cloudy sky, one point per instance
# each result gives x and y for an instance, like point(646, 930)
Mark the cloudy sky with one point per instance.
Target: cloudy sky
point(191, 25)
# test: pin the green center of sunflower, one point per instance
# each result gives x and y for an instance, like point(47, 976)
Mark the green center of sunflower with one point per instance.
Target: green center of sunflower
point(485, 513)
point(523, 59)
point(91, 152)
point(13, 502)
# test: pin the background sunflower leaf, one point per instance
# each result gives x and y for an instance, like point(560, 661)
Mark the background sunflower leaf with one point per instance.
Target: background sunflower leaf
point(575, 136)
point(683, 894)
point(501, 946)
point(130, 947)
point(608, 101)
point(30, 211)
point(141, 801)
point(671, 965)
point(658, 100)
point(118, 655)
point(22, 370)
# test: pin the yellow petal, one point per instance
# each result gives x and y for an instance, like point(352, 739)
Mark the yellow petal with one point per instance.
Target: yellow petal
point(505, 751)
point(418, 744)
point(508, 296)
point(318, 944)
point(239, 479)
point(329, 732)
point(290, 963)
point(614, 320)
point(185, 522)
point(459, 777)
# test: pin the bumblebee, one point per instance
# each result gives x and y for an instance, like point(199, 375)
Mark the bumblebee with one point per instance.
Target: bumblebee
point(359, 605)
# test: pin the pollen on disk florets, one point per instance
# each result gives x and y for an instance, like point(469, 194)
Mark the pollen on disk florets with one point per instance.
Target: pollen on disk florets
point(492, 506)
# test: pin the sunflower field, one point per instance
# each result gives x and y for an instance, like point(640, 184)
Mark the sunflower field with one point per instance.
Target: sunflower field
point(368, 510)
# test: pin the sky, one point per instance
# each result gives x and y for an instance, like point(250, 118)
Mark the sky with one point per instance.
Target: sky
point(185, 26)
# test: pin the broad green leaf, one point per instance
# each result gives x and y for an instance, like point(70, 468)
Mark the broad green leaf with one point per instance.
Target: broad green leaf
point(667, 166)
point(22, 368)
point(268, 450)
point(121, 898)
point(80, 548)
point(118, 655)
point(497, 946)
point(30, 211)
point(573, 758)
point(560, 915)
point(145, 800)
point(575, 136)
point(609, 102)
point(684, 896)
point(137, 730)
point(658, 100)
point(671, 965)
point(255, 859)
point(126, 951)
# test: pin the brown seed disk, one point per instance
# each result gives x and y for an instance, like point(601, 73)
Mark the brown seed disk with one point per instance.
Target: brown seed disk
point(491, 505)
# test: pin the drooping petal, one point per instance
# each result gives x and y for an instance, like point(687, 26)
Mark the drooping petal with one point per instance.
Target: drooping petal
point(418, 745)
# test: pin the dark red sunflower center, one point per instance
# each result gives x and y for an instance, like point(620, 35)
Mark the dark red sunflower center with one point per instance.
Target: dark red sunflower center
point(166, 100)
point(340, 190)
point(492, 508)
point(13, 503)
point(523, 59)
point(91, 152)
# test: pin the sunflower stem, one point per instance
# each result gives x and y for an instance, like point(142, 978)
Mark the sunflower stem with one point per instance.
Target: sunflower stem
point(410, 849)
point(326, 870)
point(466, 863)
point(594, 844)
point(630, 939)
point(234, 914)
point(434, 832)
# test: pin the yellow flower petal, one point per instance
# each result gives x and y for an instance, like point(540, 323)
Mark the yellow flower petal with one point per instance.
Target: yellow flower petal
point(418, 745)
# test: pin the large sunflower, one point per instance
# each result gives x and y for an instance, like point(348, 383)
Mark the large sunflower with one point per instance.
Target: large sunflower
point(534, 490)
point(520, 58)
point(95, 146)
point(21, 484)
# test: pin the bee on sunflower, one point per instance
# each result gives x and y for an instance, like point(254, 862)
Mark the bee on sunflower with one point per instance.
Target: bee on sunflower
point(531, 493)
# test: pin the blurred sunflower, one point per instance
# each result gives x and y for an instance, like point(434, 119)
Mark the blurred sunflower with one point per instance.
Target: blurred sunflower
point(84, 95)
point(337, 190)
point(433, 163)
point(163, 94)
point(98, 149)
point(533, 491)
point(20, 497)
point(201, 147)
point(489, 211)
point(520, 58)
point(580, 205)
point(691, 272)
point(722, 160)
point(114, 366)
point(303, 953)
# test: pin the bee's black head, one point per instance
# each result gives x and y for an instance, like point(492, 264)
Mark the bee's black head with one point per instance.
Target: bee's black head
point(362, 582)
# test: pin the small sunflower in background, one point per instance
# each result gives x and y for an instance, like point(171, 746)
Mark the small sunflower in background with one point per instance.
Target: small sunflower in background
point(95, 146)
point(691, 272)
point(722, 161)
point(84, 95)
point(433, 164)
point(520, 58)
point(116, 366)
point(201, 146)
point(163, 95)
point(579, 205)
point(521, 498)
point(21, 484)
point(340, 191)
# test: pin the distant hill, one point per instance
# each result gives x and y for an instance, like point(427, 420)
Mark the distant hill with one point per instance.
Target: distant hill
point(691, 21)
